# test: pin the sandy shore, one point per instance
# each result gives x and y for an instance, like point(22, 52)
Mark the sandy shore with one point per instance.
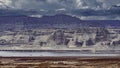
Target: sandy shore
point(59, 62)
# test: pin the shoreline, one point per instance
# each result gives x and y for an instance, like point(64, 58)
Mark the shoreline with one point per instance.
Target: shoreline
point(65, 58)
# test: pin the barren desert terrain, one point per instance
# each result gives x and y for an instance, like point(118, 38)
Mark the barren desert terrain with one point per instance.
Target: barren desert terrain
point(59, 62)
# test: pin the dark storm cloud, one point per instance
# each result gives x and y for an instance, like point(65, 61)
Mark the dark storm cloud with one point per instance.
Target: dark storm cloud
point(84, 9)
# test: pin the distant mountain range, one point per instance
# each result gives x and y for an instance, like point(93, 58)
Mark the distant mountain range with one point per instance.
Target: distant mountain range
point(60, 21)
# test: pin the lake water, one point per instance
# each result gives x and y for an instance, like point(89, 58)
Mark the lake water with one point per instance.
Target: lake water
point(36, 54)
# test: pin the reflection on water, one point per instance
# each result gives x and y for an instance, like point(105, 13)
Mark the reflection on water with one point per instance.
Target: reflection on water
point(13, 53)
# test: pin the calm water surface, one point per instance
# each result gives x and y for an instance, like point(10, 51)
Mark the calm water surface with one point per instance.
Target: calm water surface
point(14, 53)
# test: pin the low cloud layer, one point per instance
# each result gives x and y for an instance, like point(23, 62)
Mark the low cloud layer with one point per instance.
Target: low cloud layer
point(84, 9)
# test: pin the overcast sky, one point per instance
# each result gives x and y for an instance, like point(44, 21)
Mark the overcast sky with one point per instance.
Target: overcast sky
point(83, 9)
